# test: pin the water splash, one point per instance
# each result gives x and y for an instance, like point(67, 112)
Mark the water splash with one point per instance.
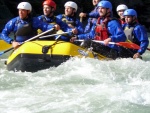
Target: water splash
point(80, 85)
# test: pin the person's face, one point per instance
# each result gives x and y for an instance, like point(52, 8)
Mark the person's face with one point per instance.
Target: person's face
point(68, 11)
point(120, 13)
point(102, 11)
point(128, 19)
point(23, 13)
point(95, 2)
point(46, 10)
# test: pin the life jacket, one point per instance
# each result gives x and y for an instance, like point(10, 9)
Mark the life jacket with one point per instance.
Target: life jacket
point(101, 30)
point(72, 23)
point(44, 20)
point(129, 33)
point(52, 22)
point(90, 24)
point(24, 31)
point(122, 21)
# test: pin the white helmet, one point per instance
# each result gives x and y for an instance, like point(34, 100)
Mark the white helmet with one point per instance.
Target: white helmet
point(71, 4)
point(121, 7)
point(25, 5)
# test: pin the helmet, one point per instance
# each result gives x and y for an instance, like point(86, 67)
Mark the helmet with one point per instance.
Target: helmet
point(25, 5)
point(105, 4)
point(50, 3)
point(71, 4)
point(121, 7)
point(130, 12)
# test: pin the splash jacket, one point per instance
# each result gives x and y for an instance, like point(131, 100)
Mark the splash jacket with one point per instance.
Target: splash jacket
point(73, 21)
point(54, 20)
point(137, 34)
point(114, 30)
point(18, 27)
point(93, 15)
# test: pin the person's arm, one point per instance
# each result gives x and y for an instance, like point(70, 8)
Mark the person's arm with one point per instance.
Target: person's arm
point(89, 24)
point(60, 16)
point(40, 18)
point(89, 35)
point(116, 32)
point(93, 15)
point(79, 27)
point(141, 34)
point(37, 24)
point(63, 25)
point(9, 27)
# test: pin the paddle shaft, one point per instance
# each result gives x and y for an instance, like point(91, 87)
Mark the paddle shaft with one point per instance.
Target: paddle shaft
point(1, 53)
point(55, 34)
point(103, 41)
point(43, 33)
point(119, 44)
point(81, 19)
point(58, 37)
point(123, 44)
point(97, 41)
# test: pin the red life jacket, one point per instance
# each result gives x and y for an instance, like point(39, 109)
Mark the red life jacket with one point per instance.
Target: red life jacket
point(122, 21)
point(101, 30)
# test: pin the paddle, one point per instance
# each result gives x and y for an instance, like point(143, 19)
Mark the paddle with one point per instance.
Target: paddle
point(81, 19)
point(4, 45)
point(43, 33)
point(47, 36)
point(123, 44)
point(57, 37)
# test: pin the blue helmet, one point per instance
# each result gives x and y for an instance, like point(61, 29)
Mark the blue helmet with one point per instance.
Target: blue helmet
point(130, 12)
point(105, 4)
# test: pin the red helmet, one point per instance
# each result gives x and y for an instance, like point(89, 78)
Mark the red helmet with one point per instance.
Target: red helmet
point(50, 3)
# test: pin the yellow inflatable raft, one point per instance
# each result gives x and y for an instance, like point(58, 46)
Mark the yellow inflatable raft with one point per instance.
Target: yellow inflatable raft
point(37, 55)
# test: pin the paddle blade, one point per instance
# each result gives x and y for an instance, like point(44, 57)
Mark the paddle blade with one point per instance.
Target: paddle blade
point(4, 45)
point(128, 45)
point(1, 53)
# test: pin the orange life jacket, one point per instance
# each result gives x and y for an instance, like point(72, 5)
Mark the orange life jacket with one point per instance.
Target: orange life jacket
point(101, 30)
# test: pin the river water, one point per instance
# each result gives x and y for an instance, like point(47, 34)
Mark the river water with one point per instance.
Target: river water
point(80, 85)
